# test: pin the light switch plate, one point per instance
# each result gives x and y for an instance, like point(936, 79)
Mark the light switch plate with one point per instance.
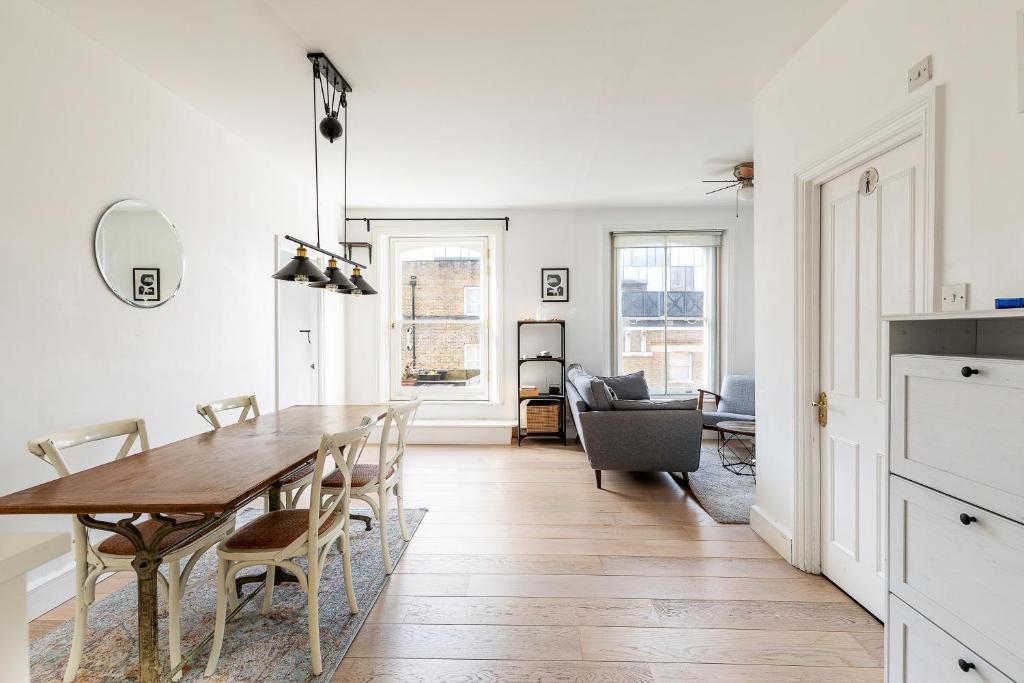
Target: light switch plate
point(954, 297)
point(919, 74)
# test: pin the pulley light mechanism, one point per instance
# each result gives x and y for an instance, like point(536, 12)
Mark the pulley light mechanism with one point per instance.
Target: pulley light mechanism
point(333, 98)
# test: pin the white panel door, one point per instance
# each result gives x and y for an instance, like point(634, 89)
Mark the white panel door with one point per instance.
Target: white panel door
point(298, 341)
point(868, 239)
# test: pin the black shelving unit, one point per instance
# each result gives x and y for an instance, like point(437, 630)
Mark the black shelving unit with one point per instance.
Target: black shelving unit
point(546, 397)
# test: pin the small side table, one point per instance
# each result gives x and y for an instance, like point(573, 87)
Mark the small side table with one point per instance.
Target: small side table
point(737, 448)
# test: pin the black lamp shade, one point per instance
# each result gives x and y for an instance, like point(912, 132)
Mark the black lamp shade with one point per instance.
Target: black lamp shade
point(300, 269)
point(336, 280)
point(361, 286)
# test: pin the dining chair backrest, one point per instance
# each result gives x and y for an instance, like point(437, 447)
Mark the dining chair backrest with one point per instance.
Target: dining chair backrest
point(399, 419)
point(50, 449)
point(345, 448)
point(247, 403)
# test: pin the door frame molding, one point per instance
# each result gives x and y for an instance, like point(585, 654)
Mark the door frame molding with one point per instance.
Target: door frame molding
point(916, 118)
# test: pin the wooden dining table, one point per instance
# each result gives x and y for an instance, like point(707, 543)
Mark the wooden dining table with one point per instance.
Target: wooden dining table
point(210, 475)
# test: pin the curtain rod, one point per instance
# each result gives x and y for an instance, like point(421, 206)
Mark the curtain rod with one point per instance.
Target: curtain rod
point(369, 220)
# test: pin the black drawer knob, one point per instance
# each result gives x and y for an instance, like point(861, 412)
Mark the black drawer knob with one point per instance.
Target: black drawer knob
point(967, 371)
point(966, 519)
point(964, 665)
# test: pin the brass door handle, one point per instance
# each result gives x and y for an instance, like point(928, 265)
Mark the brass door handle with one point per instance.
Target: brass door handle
point(822, 405)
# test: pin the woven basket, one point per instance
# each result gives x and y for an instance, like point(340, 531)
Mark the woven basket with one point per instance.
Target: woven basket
point(542, 417)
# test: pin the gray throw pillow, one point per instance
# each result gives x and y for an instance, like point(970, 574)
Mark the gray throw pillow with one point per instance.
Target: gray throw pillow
point(581, 379)
point(680, 404)
point(631, 387)
point(601, 395)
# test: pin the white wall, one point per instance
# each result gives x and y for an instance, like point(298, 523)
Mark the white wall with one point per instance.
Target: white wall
point(851, 73)
point(579, 240)
point(79, 130)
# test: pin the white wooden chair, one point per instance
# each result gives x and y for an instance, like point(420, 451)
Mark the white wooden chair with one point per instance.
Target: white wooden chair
point(293, 485)
point(115, 553)
point(275, 539)
point(371, 483)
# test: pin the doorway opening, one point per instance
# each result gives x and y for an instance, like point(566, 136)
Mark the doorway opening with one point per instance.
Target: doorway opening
point(299, 323)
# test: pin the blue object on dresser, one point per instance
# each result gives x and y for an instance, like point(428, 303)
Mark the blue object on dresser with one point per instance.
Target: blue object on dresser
point(1012, 302)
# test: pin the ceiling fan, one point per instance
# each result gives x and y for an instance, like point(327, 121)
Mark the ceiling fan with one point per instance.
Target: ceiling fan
point(743, 179)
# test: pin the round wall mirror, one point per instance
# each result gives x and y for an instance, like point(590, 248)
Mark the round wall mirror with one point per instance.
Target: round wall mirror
point(139, 254)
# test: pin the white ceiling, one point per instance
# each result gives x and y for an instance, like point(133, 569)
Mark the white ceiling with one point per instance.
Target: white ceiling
point(479, 103)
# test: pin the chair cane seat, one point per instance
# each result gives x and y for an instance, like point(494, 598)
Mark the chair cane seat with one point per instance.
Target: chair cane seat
point(119, 545)
point(299, 474)
point(361, 476)
point(274, 530)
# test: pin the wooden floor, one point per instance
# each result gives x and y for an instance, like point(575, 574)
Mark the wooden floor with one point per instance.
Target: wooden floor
point(523, 571)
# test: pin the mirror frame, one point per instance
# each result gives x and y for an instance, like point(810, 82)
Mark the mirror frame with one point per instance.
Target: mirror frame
point(99, 263)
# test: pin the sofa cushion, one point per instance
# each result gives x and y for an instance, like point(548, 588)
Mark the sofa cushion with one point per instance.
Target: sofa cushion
point(679, 404)
point(631, 387)
point(580, 380)
point(711, 419)
point(601, 395)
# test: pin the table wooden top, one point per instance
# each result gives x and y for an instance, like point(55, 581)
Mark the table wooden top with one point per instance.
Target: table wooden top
point(211, 472)
point(743, 427)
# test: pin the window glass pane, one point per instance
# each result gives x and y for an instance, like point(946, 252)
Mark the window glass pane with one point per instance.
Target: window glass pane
point(438, 354)
point(686, 355)
point(471, 297)
point(434, 281)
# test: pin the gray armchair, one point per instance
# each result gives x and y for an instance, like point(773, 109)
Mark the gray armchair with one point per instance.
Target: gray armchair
point(736, 402)
point(633, 433)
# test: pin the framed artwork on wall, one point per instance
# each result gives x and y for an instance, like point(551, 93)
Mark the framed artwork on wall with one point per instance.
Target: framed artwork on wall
point(554, 284)
point(147, 284)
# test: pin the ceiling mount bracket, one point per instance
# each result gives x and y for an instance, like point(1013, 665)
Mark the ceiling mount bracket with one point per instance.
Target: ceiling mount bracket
point(320, 61)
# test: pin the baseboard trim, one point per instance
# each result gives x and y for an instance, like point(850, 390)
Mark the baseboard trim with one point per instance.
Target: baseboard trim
point(51, 590)
point(774, 535)
point(455, 432)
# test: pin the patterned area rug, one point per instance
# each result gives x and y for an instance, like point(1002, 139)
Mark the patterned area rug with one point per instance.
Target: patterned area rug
point(256, 648)
point(725, 496)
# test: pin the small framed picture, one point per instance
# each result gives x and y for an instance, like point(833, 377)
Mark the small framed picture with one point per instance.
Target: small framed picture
point(554, 284)
point(146, 284)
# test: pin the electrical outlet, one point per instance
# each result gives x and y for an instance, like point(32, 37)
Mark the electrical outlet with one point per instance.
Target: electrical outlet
point(954, 297)
point(919, 74)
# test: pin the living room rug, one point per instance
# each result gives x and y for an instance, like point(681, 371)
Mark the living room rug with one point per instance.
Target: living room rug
point(725, 496)
point(256, 647)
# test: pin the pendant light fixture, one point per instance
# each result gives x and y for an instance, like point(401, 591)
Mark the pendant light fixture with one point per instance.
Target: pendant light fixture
point(335, 280)
point(301, 270)
point(332, 88)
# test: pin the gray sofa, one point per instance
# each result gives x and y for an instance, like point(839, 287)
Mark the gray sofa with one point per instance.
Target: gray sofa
point(622, 429)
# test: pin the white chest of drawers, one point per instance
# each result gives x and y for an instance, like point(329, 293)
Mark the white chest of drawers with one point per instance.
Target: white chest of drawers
point(956, 507)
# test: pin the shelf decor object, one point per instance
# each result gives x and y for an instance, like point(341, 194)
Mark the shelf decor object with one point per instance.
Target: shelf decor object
point(333, 92)
point(545, 412)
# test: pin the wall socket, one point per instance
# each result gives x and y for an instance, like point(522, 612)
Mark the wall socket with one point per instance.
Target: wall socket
point(954, 297)
point(919, 74)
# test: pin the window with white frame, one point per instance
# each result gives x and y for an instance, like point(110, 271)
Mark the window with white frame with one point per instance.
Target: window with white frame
point(666, 310)
point(441, 334)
